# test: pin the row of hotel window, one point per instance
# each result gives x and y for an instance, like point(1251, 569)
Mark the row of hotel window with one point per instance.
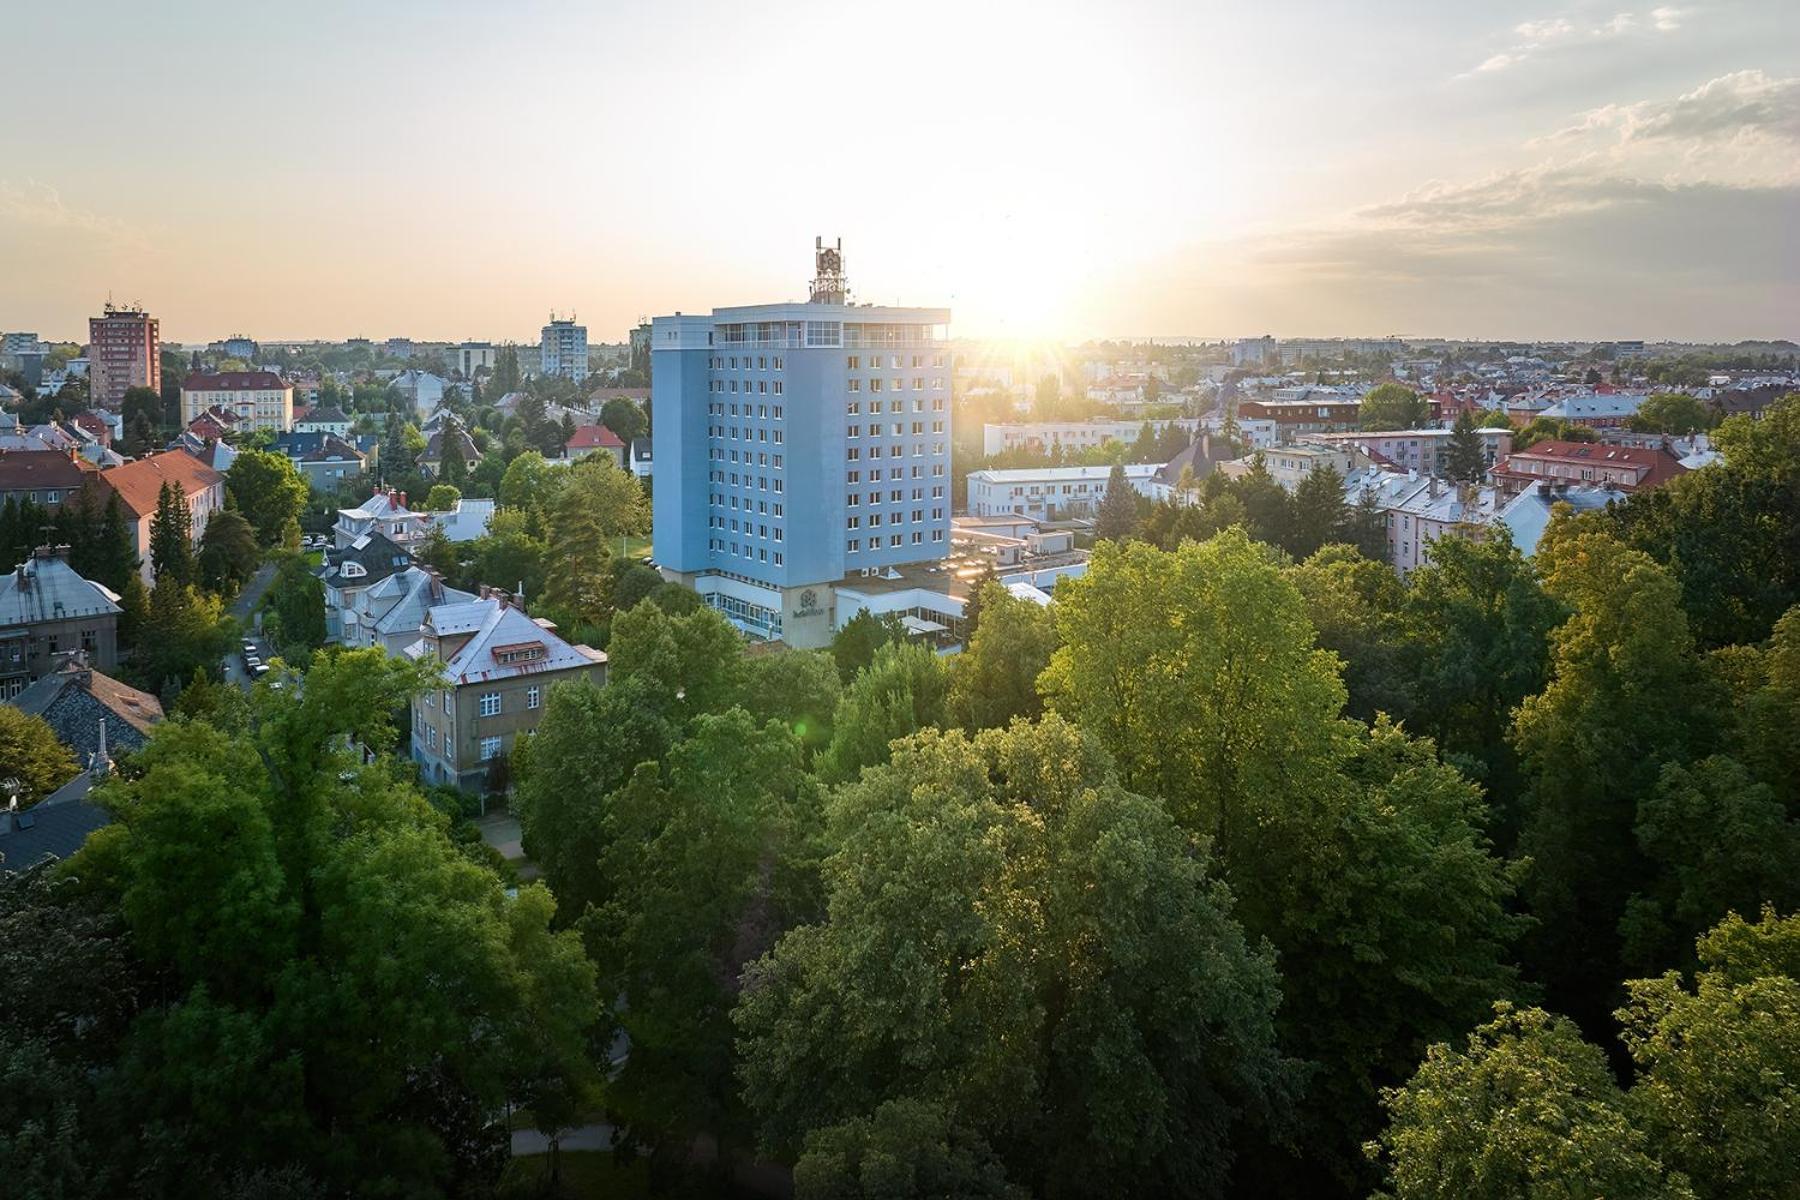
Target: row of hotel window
point(762, 460)
point(734, 431)
point(899, 429)
point(761, 484)
point(875, 385)
point(895, 540)
point(918, 451)
point(762, 531)
point(760, 554)
point(717, 409)
point(490, 701)
point(897, 406)
point(762, 506)
point(852, 362)
point(490, 746)
point(853, 521)
point(895, 496)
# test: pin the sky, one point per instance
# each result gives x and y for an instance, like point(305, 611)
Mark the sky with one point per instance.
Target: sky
point(452, 169)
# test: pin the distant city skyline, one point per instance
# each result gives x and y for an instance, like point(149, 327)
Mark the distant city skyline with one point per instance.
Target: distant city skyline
point(1503, 171)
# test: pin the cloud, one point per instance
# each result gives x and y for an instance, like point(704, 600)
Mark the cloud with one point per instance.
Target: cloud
point(1741, 103)
point(1562, 33)
point(1603, 239)
point(34, 205)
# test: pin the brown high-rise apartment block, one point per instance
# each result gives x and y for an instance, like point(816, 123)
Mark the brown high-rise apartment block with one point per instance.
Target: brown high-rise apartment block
point(124, 351)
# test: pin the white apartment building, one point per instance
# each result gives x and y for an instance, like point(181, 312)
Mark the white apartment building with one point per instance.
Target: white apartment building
point(1050, 493)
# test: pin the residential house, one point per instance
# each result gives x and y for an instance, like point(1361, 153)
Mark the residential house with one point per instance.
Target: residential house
point(51, 830)
point(451, 434)
point(498, 664)
point(1627, 468)
point(386, 511)
point(353, 568)
point(589, 439)
point(1605, 409)
point(640, 457)
point(76, 700)
point(1418, 510)
point(325, 419)
point(139, 483)
point(423, 390)
point(1426, 451)
point(1203, 456)
point(47, 610)
point(388, 614)
point(1527, 514)
point(325, 459)
point(47, 477)
point(1333, 413)
point(215, 424)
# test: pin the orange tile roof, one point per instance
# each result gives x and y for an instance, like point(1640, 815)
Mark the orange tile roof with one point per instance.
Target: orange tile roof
point(139, 483)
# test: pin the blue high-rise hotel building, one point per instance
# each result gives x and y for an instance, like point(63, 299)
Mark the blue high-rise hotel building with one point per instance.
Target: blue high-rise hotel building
point(799, 446)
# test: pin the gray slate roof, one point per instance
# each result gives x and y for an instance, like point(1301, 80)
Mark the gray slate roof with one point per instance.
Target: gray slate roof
point(73, 701)
point(47, 588)
point(48, 830)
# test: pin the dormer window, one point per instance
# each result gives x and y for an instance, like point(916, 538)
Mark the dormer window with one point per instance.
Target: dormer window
point(523, 652)
point(353, 570)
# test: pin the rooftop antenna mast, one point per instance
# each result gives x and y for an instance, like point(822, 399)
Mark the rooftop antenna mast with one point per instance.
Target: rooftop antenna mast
point(829, 285)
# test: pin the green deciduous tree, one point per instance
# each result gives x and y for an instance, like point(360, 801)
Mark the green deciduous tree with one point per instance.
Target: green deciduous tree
point(799, 688)
point(346, 992)
point(597, 504)
point(906, 1150)
point(709, 858)
point(268, 490)
point(994, 679)
point(694, 661)
point(1392, 406)
point(1357, 605)
point(442, 498)
point(32, 761)
point(624, 417)
point(854, 644)
point(900, 693)
point(1625, 696)
point(1014, 938)
point(1529, 1110)
point(1675, 413)
point(296, 598)
point(1209, 711)
point(184, 629)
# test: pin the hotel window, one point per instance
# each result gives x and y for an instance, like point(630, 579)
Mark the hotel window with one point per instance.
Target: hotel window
point(917, 538)
point(852, 454)
point(853, 362)
point(856, 385)
point(852, 545)
point(855, 431)
point(896, 540)
point(918, 384)
point(851, 500)
point(778, 392)
point(778, 558)
point(490, 704)
point(778, 510)
point(853, 477)
point(490, 749)
point(937, 535)
point(778, 367)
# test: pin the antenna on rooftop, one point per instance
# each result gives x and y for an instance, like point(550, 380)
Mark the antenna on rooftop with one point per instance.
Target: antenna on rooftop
point(829, 285)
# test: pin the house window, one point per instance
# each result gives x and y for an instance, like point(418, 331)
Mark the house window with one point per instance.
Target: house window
point(490, 704)
point(490, 748)
point(532, 696)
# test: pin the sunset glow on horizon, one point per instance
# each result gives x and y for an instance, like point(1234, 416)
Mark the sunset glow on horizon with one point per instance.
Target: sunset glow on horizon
point(458, 170)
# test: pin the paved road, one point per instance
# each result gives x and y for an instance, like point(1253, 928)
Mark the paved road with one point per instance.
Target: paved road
point(252, 595)
point(241, 608)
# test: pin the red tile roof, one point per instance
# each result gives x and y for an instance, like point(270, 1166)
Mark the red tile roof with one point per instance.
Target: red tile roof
point(594, 437)
point(139, 483)
point(233, 381)
point(1654, 464)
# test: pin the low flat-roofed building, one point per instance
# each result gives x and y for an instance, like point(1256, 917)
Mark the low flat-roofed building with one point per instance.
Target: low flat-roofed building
point(1051, 493)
